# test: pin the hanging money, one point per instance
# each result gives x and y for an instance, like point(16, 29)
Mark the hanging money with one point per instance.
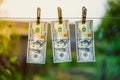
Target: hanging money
point(85, 41)
point(37, 36)
point(61, 42)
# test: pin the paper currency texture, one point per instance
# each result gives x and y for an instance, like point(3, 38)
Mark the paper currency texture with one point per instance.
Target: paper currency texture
point(61, 42)
point(85, 41)
point(37, 36)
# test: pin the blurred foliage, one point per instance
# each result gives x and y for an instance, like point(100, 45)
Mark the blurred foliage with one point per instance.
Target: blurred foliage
point(8, 39)
point(109, 30)
point(9, 49)
point(108, 42)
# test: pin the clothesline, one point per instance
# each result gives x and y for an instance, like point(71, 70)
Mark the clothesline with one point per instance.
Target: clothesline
point(63, 18)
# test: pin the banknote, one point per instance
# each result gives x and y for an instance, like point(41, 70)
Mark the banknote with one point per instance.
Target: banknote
point(61, 41)
point(85, 41)
point(37, 36)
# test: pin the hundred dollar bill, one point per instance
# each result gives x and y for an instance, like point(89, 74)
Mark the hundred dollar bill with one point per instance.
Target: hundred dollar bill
point(85, 41)
point(61, 42)
point(37, 36)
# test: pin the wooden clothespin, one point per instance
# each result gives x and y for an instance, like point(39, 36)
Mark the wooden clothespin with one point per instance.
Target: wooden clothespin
point(60, 15)
point(38, 15)
point(84, 12)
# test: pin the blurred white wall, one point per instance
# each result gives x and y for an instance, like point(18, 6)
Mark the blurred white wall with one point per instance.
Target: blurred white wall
point(71, 8)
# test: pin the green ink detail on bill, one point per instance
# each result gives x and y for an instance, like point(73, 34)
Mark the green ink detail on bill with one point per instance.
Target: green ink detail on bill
point(83, 29)
point(60, 29)
point(37, 30)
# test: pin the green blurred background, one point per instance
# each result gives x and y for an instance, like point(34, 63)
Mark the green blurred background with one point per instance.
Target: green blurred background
point(13, 51)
